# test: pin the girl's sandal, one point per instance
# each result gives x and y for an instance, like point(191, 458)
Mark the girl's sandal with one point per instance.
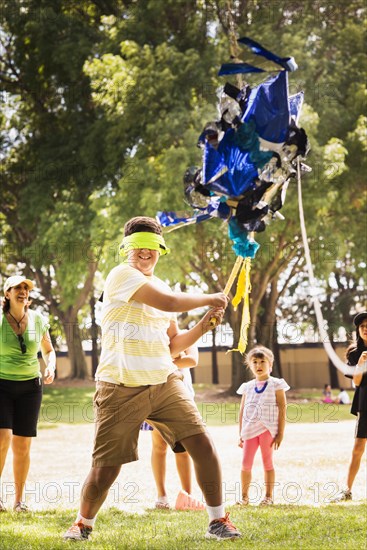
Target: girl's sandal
point(161, 505)
point(20, 507)
point(243, 502)
point(267, 501)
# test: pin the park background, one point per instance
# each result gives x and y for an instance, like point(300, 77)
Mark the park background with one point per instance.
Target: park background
point(102, 103)
point(101, 107)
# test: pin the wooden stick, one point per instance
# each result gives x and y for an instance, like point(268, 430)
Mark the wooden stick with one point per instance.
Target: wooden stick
point(227, 288)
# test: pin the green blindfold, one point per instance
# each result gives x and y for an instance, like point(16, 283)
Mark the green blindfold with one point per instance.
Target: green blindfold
point(143, 239)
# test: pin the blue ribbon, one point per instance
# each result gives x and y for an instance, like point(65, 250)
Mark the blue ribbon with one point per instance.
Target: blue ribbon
point(238, 68)
point(288, 63)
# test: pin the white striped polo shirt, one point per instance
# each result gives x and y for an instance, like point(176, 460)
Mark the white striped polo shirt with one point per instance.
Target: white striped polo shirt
point(135, 343)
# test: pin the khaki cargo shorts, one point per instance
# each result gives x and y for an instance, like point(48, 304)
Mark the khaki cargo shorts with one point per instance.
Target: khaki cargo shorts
point(119, 412)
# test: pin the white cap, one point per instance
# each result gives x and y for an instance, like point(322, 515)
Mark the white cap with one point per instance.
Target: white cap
point(16, 280)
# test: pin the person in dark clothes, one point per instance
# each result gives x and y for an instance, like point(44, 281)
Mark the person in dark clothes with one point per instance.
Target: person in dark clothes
point(357, 355)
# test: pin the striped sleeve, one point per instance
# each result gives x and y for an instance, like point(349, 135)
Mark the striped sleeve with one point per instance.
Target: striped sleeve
point(122, 283)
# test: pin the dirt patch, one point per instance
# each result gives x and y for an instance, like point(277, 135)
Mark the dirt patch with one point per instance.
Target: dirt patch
point(219, 394)
point(73, 383)
point(311, 466)
point(222, 394)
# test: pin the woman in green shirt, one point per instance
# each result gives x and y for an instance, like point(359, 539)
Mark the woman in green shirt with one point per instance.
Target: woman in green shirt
point(22, 333)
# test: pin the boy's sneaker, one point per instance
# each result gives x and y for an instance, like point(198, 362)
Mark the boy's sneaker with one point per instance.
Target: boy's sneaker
point(222, 529)
point(78, 531)
point(344, 495)
point(185, 501)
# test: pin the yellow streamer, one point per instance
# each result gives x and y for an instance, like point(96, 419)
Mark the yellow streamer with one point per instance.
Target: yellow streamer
point(243, 292)
point(227, 288)
point(240, 289)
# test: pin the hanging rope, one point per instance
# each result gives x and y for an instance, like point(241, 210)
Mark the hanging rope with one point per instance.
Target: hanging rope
point(232, 37)
point(334, 358)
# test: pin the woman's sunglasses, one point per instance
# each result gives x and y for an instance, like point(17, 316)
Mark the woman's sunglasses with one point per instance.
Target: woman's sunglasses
point(23, 346)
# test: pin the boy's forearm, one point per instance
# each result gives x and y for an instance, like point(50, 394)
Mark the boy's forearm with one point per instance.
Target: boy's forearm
point(185, 362)
point(182, 301)
point(184, 340)
point(176, 302)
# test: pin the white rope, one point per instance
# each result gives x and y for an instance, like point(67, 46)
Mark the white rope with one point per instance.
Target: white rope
point(334, 358)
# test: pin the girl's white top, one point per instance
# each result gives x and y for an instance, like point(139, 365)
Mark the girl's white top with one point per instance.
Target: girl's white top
point(260, 412)
point(187, 380)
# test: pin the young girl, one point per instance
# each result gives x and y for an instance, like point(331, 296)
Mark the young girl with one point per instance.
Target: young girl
point(262, 419)
point(185, 501)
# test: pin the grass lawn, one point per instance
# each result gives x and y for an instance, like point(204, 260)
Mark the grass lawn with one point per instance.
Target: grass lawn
point(303, 463)
point(280, 527)
point(66, 405)
point(73, 405)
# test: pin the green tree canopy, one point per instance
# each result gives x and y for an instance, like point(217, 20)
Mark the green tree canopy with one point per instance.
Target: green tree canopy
point(103, 105)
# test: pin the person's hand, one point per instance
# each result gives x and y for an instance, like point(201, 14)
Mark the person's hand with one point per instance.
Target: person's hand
point(219, 299)
point(49, 376)
point(361, 367)
point(277, 441)
point(213, 318)
point(240, 442)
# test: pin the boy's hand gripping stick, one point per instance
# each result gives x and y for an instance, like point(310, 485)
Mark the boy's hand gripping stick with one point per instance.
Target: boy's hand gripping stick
point(227, 288)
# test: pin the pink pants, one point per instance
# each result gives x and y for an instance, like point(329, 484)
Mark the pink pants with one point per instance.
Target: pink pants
point(250, 447)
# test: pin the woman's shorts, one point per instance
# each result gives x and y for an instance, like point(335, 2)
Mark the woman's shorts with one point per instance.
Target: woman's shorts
point(361, 427)
point(20, 403)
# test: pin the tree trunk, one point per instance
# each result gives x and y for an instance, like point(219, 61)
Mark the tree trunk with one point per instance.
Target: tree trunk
point(277, 369)
point(94, 335)
point(215, 376)
point(266, 329)
point(192, 371)
point(69, 318)
point(74, 344)
point(240, 373)
point(262, 329)
point(333, 373)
